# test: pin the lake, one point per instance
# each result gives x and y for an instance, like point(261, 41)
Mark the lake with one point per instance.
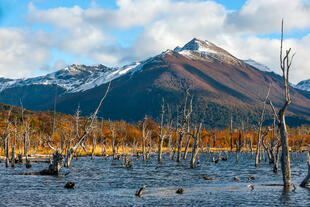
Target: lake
point(103, 182)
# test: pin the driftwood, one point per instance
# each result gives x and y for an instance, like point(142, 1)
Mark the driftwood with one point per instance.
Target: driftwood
point(139, 192)
point(236, 178)
point(207, 178)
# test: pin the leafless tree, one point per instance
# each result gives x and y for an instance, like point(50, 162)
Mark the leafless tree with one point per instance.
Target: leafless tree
point(163, 133)
point(260, 126)
point(307, 178)
point(6, 137)
point(195, 149)
point(184, 123)
point(238, 143)
point(285, 64)
point(231, 132)
point(145, 135)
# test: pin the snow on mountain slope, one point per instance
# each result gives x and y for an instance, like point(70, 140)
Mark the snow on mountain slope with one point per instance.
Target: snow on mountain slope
point(198, 49)
point(303, 85)
point(74, 78)
point(257, 65)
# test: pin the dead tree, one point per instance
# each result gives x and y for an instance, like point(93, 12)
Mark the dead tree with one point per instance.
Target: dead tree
point(87, 130)
point(185, 120)
point(145, 134)
point(260, 125)
point(112, 128)
point(26, 127)
point(285, 64)
point(6, 137)
point(14, 145)
point(238, 144)
point(172, 149)
point(231, 133)
point(307, 178)
point(163, 134)
point(187, 142)
point(268, 147)
point(94, 145)
point(195, 149)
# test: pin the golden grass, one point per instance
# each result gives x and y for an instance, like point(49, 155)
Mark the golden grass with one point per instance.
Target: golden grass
point(128, 150)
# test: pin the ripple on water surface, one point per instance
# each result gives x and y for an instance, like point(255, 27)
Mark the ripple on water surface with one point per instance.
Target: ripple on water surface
point(102, 182)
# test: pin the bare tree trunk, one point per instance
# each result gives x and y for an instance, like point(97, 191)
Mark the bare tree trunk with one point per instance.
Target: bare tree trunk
point(145, 135)
point(214, 139)
point(251, 146)
point(113, 138)
point(276, 164)
point(307, 178)
point(186, 147)
point(185, 122)
point(161, 135)
point(7, 159)
point(231, 133)
point(195, 147)
point(13, 157)
point(180, 147)
point(260, 125)
point(69, 157)
point(285, 158)
point(285, 64)
point(94, 145)
point(169, 146)
point(55, 166)
point(238, 147)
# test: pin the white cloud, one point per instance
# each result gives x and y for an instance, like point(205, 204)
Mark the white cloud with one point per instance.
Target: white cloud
point(88, 33)
point(263, 16)
point(22, 52)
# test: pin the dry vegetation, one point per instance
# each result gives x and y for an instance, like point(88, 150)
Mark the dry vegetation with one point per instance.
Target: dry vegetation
point(38, 129)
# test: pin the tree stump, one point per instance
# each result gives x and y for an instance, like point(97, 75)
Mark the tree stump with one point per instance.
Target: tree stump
point(54, 167)
point(180, 191)
point(70, 185)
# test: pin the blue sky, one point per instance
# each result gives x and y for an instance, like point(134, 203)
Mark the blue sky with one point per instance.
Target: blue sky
point(41, 36)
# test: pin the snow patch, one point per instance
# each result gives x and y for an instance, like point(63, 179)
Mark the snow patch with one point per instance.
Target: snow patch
point(257, 65)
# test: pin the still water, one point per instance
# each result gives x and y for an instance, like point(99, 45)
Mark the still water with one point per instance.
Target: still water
point(103, 182)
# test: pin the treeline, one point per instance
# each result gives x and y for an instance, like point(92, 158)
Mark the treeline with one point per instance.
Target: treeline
point(36, 132)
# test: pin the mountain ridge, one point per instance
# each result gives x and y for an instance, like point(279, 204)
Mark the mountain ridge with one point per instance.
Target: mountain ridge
point(221, 84)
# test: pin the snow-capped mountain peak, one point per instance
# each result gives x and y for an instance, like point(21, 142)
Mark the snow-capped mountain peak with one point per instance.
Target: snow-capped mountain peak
point(303, 85)
point(197, 45)
point(74, 78)
point(257, 65)
point(198, 49)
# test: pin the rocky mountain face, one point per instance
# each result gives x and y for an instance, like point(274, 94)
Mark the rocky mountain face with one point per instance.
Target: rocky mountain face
point(304, 85)
point(220, 83)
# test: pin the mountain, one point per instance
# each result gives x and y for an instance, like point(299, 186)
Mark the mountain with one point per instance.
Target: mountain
point(220, 83)
point(257, 65)
point(303, 85)
point(73, 78)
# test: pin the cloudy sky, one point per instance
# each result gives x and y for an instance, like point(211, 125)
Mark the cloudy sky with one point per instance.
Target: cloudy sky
point(41, 36)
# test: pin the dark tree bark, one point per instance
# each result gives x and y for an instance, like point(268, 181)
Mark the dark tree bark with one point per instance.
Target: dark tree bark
point(307, 178)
